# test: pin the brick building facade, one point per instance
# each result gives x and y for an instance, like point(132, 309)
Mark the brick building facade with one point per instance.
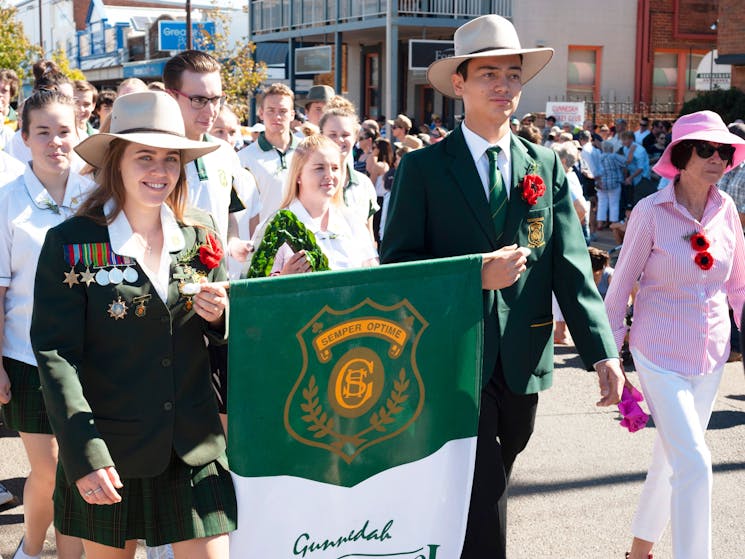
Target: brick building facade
point(731, 39)
point(672, 38)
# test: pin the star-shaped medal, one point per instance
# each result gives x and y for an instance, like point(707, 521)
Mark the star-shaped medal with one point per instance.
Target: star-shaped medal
point(71, 277)
point(87, 277)
point(118, 309)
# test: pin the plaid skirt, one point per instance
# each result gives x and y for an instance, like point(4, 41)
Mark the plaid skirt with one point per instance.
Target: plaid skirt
point(26, 411)
point(183, 503)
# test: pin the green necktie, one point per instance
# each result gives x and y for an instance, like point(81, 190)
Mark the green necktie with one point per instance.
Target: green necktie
point(497, 192)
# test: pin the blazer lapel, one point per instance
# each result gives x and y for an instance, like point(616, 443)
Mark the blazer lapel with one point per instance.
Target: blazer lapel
point(522, 164)
point(464, 173)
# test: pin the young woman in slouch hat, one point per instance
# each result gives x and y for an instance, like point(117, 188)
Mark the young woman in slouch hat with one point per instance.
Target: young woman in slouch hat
point(125, 293)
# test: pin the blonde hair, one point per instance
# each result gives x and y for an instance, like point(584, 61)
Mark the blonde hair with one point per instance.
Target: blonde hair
point(340, 107)
point(307, 147)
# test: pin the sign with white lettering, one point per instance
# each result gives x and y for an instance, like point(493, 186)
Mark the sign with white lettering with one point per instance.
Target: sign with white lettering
point(423, 53)
point(172, 35)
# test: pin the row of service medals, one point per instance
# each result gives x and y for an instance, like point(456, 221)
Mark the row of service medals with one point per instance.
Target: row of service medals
point(111, 269)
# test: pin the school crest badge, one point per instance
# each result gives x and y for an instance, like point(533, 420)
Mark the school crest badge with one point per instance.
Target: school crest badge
point(359, 384)
point(535, 233)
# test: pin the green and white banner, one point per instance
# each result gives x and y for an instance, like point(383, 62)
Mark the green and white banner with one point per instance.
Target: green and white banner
point(353, 411)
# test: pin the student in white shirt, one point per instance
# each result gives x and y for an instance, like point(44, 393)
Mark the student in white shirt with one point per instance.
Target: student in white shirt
point(340, 123)
point(269, 157)
point(314, 195)
point(44, 196)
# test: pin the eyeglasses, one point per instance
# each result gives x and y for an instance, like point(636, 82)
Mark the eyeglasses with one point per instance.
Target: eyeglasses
point(705, 150)
point(199, 102)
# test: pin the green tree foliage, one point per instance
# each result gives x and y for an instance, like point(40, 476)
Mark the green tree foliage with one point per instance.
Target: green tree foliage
point(728, 103)
point(59, 56)
point(16, 52)
point(241, 73)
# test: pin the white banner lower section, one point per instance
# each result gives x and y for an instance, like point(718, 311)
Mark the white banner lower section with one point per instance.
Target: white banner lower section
point(414, 511)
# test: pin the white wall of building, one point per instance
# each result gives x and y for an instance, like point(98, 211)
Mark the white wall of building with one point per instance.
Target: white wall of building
point(57, 22)
point(608, 23)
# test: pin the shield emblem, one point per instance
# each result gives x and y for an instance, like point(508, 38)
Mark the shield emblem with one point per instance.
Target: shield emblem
point(535, 232)
point(359, 384)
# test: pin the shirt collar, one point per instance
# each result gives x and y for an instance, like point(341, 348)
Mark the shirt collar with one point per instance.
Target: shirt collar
point(337, 224)
point(667, 196)
point(265, 145)
point(122, 237)
point(478, 145)
point(41, 198)
point(352, 176)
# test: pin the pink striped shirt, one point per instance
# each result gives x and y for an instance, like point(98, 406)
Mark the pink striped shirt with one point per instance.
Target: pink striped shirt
point(681, 320)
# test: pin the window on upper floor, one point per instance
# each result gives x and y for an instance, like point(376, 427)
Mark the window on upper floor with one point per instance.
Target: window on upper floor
point(674, 77)
point(583, 73)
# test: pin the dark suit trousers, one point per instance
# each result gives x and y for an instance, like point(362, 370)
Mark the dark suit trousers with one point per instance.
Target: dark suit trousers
point(506, 422)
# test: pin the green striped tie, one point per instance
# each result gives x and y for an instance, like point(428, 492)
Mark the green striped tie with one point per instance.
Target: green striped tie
point(497, 192)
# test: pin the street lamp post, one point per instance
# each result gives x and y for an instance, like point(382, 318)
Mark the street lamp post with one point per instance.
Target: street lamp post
point(41, 30)
point(188, 24)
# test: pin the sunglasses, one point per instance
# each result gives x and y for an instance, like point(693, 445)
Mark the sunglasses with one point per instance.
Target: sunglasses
point(705, 150)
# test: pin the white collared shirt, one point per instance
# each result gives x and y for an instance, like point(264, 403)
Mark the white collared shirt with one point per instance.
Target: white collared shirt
point(478, 146)
point(212, 193)
point(27, 212)
point(124, 243)
point(269, 169)
point(10, 168)
point(346, 242)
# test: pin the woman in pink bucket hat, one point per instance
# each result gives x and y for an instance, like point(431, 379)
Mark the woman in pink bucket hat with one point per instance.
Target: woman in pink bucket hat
point(685, 246)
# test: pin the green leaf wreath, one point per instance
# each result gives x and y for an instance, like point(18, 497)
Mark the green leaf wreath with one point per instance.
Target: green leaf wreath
point(285, 227)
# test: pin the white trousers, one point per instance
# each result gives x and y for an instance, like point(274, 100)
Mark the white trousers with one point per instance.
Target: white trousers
point(679, 480)
point(609, 204)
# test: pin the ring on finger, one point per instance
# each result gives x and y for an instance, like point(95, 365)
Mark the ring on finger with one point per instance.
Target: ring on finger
point(98, 489)
point(89, 493)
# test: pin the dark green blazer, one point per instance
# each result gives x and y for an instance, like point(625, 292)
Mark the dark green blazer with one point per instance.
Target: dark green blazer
point(438, 208)
point(124, 392)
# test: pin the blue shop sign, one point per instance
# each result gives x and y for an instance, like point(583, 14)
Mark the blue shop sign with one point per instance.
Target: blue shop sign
point(172, 35)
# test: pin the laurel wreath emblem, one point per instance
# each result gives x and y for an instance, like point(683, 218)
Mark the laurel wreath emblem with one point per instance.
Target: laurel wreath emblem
point(322, 425)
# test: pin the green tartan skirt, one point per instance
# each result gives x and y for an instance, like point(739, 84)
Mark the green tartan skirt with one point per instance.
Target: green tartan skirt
point(182, 503)
point(26, 411)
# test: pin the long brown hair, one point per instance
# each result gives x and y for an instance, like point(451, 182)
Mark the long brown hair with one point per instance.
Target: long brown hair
point(111, 187)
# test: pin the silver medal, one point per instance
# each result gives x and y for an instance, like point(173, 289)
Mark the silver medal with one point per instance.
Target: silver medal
point(102, 277)
point(116, 276)
point(130, 275)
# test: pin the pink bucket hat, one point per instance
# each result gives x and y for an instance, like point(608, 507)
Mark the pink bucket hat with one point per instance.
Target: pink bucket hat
point(703, 125)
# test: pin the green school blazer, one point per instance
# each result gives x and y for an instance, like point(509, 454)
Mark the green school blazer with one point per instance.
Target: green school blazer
point(124, 389)
point(438, 208)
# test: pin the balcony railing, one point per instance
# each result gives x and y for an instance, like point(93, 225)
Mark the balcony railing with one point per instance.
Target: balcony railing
point(270, 16)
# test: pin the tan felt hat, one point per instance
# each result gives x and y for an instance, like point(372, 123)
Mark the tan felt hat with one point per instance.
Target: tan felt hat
point(484, 36)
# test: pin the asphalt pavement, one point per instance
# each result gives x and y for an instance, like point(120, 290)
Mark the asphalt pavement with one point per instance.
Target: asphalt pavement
point(574, 488)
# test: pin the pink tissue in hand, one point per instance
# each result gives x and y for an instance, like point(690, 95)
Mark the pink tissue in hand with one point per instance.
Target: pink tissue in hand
point(634, 417)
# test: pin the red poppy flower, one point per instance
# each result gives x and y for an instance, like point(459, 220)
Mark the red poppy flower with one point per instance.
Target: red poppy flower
point(533, 188)
point(699, 242)
point(211, 253)
point(704, 260)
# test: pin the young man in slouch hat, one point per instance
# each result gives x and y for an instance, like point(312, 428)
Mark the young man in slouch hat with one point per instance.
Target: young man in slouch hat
point(484, 190)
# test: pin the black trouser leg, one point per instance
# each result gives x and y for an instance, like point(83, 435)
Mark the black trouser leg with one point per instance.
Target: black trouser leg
point(505, 424)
